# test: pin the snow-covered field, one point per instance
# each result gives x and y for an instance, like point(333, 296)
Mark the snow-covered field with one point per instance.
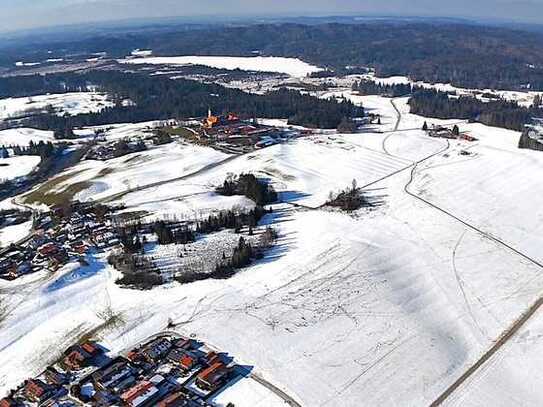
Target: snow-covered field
point(95, 180)
point(386, 306)
point(19, 166)
point(305, 171)
point(119, 131)
point(14, 233)
point(23, 136)
point(62, 104)
point(247, 392)
point(290, 66)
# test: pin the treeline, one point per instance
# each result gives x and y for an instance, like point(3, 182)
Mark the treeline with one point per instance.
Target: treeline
point(432, 52)
point(160, 98)
point(250, 186)
point(168, 234)
point(231, 220)
point(367, 87)
point(32, 85)
point(497, 113)
point(41, 148)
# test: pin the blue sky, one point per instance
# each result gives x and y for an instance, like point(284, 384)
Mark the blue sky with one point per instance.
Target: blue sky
point(19, 14)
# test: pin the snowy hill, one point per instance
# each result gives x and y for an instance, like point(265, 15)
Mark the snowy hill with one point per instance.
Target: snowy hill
point(383, 306)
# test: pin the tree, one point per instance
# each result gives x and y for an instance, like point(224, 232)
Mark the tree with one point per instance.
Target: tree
point(346, 126)
point(456, 130)
point(537, 101)
point(69, 133)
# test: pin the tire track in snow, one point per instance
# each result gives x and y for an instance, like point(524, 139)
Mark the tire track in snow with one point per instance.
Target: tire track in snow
point(461, 285)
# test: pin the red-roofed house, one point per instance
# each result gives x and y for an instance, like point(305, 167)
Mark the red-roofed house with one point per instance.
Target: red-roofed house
point(212, 377)
point(141, 393)
point(36, 390)
point(11, 403)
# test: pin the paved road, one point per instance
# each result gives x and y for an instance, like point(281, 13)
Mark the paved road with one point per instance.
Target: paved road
point(278, 392)
point(396, 126)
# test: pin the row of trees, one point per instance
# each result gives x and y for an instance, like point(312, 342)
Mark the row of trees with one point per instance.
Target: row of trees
point(41, 148)
point(231, 220)
point(367, 87)
point(162, 137)
point(168, 234)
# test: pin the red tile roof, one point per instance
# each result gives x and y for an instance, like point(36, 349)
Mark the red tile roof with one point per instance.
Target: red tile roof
point(136, 391)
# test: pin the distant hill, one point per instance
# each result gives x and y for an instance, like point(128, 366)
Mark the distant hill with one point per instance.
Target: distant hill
point(466, 55)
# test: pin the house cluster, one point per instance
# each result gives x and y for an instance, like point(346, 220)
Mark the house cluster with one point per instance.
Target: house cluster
point(115, 149)
point(447, 133)
point(57, 239)
point(230, 129)
point(167, 371)
point(53, 386)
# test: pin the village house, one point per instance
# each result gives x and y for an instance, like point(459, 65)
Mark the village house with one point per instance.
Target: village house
point(185, 360)
point(113, 375)
point(174, 400)
point(54, 377)
point(212, 377)
point(140, 394)
point(37, 391)
point(156, 349)
point(212, 358)
point(8, 402)
point(182, 343)
point(79, 356)
point(212, 121)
